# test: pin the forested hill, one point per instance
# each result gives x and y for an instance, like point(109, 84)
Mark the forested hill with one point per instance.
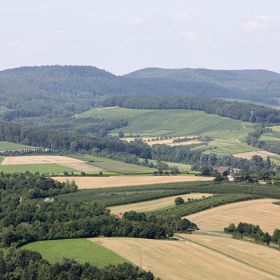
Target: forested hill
point(61, 91)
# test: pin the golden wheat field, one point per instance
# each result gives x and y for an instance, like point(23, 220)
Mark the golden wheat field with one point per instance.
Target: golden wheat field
point(121, 181)
point(181, 260)
point(155, 204)
point(260, 212)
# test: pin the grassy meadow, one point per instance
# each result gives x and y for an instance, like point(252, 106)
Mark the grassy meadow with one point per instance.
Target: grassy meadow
point(44, 168)
point(115, 166)
point(81, 250)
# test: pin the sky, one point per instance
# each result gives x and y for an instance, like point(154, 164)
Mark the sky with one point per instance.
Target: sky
point(125, 35)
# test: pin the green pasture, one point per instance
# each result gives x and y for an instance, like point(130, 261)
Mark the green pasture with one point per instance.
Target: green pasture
point(114, 165)
point(44, 168)
point(170, 122)
point(81, 250)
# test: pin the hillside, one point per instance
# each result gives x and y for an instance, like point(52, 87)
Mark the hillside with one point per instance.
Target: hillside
point(228, 134)
point(60, 91)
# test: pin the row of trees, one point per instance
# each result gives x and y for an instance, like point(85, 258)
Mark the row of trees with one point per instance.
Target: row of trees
point(235, 110)
point(254, 232)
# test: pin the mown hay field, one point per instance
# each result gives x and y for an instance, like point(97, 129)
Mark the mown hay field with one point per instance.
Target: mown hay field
point(262, 212)
point(258, 256)
point(155, 204)
point(249, 155)
point(73, 163)
point(81, 250)
point(121, 181)
point(180, 260)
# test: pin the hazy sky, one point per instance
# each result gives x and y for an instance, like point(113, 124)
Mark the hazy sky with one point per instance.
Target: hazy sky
point(124, 35)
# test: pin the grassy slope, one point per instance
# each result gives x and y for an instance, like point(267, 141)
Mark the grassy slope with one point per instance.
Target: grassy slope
point(5, 146)
point(46, 168)
point(228, 133)
point(115, 166)
point(81, 250)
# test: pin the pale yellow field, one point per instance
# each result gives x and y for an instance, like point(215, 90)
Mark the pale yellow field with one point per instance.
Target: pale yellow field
point(261, 257)
point(249, 155)
point(61, 160)
point(181, 260)
point(121, 181)
point(155, 204)
point(156, 141)
point(260, 212)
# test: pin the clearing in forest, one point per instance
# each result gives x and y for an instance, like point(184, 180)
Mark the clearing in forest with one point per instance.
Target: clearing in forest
point(122, 181)
point(155, 204)
point(180, 260)
point(46, 159)
point(262, 212)
point(81, 250)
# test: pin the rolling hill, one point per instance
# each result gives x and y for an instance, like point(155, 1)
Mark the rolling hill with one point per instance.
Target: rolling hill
point(60, 91)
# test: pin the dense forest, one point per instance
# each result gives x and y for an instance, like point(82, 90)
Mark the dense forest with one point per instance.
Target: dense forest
point(235, 110)
point(61, 91)
point(24, 218)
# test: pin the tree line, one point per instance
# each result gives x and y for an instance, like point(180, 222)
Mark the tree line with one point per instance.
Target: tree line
point(234, 110)
point(254, 232)
point(25, 265)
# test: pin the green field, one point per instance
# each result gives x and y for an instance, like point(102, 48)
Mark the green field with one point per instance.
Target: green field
point(81, 250)
point(229, 134)
point(114, 165)
point(44, 168)
point(6, 146)
point(170, 122)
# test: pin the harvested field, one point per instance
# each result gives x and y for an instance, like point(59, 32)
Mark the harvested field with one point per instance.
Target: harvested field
point(249, 155)
point(261, 257)
point(121, 181)
point(155, 204)
point(260, 212)
point(180, 260)
point(169, 141)
point(61, 160)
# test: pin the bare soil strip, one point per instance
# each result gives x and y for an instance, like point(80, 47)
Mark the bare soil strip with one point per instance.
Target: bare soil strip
point(260, 212)
point(121, 181)
point(261, 257)
point(61, 160)
point(180, 260)
point(249, 155)
point(155, 204)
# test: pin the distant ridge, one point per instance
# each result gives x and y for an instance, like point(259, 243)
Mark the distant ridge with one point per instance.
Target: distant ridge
point(65, 90)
